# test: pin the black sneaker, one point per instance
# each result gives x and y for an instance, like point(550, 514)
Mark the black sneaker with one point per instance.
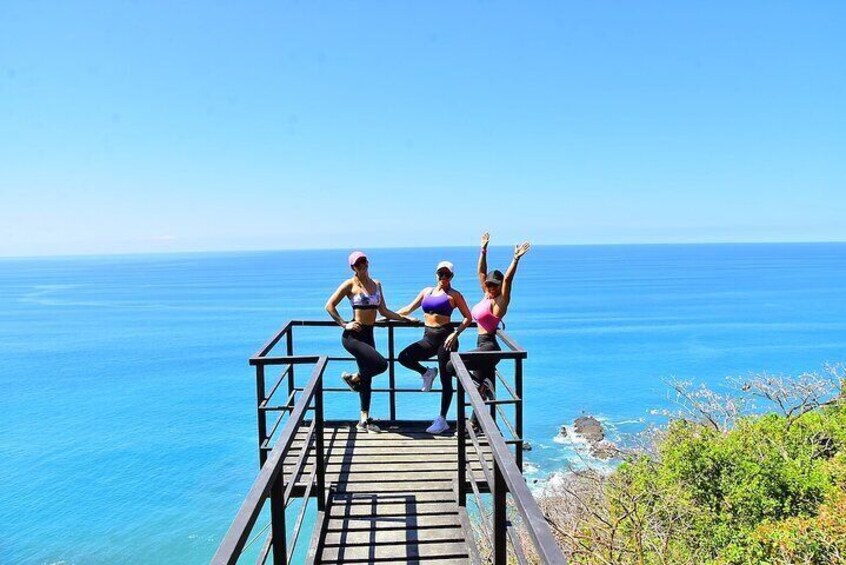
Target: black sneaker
point(486, 390)
point(347, 378)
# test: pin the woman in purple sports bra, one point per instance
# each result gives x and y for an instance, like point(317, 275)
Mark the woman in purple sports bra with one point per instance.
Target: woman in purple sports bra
point(488, 313)
point(366, 297)
point(439, 338)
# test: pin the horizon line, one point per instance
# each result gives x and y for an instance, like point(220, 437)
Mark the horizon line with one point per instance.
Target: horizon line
point(384, 247)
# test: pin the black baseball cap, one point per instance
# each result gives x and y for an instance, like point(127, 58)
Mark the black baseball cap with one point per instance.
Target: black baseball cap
point(494, 277)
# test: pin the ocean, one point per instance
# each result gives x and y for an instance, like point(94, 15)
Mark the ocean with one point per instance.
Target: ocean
point(127, 415)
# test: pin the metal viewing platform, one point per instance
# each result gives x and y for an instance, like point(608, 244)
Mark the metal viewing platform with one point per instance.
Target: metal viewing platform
point(400, 496)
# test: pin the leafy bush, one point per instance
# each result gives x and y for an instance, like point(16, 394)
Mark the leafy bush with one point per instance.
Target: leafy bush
point(765, 488)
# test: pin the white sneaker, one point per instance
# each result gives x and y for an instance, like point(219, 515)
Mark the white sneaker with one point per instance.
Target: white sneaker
point(429, 378)
point(439, 426)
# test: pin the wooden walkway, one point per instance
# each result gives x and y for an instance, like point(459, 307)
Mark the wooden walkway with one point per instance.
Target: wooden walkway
point(392, 496)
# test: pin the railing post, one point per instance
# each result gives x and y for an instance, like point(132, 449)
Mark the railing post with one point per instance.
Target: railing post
point(499, 518)
point(290, 348)
point(461, 431)
point(391, 380)
point(277, 522)
point(262, 423)
point(518, 411)
point(318, 446)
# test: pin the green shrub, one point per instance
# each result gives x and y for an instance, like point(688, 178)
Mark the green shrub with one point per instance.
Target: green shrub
point(770, 490)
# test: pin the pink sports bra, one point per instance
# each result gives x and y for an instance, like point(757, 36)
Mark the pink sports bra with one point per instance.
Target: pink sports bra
point(483, 315)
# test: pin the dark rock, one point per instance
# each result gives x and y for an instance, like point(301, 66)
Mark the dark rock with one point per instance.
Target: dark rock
point(527, 446)
point(589, 428)
point(562, 431)
point(603, 450)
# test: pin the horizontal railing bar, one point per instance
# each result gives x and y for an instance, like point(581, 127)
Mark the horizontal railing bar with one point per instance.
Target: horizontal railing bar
point(536, 523)
point(276, 408)
point(381, 323)
point(493, 354)
point(517, 441)
point(502, 401)
point(346, 389)
point(285, 360)
point(238, 533)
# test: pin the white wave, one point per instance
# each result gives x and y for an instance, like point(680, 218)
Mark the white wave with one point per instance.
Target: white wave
point(570, 438)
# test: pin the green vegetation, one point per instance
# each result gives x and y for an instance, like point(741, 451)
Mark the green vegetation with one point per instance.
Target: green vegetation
point(760, 489)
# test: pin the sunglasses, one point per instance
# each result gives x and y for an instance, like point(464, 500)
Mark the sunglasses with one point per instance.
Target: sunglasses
point(491, 285)
point(444, 274)
point(360, 264)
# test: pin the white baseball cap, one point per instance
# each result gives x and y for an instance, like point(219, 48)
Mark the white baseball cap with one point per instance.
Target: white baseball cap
point(445, 265)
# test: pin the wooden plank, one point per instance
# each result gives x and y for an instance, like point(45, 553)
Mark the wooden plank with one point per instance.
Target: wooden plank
point(382, 453)
point(354, 467)
point(394, 509)
point(374, 553)
point(395, 488)
point(392, 498)
point(420, 560)
point(397, 521)
point(375, 535)
point(388, 497)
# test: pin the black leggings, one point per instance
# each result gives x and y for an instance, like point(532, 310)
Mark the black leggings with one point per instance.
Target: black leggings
point(370, 362)
point(480, 368)
point(432, 344)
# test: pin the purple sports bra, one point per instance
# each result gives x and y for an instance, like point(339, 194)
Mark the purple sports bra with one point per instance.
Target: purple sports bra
point(437, 304)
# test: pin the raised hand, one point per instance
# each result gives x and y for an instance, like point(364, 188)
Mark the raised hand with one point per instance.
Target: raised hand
point(486, 238)
point(522, 249)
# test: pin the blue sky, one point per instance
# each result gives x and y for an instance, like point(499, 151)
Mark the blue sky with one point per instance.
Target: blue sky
point(176, 126)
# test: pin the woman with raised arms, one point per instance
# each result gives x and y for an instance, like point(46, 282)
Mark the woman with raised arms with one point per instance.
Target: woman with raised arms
point(488, 313)
point(439, 338)
point(367, 299)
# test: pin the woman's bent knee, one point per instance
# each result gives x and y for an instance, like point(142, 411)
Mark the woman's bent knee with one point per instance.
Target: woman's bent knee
point(404, 358)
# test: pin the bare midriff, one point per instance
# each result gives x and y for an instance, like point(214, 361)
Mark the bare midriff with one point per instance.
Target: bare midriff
point(365, 317)
point(436, 320)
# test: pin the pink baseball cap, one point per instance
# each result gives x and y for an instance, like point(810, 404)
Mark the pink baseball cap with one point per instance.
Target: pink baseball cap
point(355, 256)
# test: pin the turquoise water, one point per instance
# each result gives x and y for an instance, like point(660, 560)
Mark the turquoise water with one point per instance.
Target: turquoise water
point(127, 422)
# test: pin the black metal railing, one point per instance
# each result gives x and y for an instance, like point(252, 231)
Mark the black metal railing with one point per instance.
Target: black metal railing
point(503, 476)
point(272, 482)
point(502, 472)
point(508, 393)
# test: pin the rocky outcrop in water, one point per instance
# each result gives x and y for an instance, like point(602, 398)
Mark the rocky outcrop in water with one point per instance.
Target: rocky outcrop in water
point(591, 430)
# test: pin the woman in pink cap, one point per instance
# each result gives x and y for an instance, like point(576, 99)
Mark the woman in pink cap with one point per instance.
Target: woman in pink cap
point(439, 337)
point(367, 299)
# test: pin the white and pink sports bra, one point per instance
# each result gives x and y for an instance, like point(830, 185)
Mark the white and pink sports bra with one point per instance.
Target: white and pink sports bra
point(363, 301)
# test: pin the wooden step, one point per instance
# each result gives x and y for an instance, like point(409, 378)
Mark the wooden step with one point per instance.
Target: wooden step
point(456, 551)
